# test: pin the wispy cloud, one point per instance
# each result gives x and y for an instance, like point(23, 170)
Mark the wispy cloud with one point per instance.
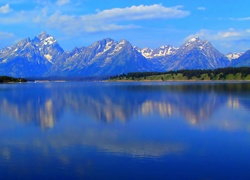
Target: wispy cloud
point(229, 34)
point(241, 19)
point(105, 20)
point(113, 19)
point(201, 8)
point(5, 9)
point(221, 35)
point(141, 12)
point(62, 2)
point(6, 35)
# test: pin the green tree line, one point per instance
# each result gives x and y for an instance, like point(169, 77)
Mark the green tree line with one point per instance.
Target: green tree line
point(7, 79)
point(229, 73)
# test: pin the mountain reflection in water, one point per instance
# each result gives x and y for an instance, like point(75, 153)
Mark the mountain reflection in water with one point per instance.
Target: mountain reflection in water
point(75, 129)
point(43, 104)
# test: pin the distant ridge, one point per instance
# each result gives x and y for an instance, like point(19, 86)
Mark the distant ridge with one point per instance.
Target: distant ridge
point(243, 60)
point(42, 56)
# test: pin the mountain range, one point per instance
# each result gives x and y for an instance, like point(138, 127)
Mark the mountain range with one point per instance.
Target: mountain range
point(44, 57)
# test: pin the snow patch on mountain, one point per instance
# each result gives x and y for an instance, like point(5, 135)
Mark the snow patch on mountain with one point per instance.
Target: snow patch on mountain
point(232, 56)
point(43, 56)
point(146, 52)
point(193, 39)
point(48, 41)
point(122, 42)
point(119, 46)
point(108, 46)
point(156, 53)
point(48, 57)
point(4, 61)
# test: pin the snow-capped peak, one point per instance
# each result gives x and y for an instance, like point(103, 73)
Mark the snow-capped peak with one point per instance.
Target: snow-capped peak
point(42, 33)
point(104, 46)
point(122, 42)
point(194, 39)
point(159, 52)
point(232, 56)
point(46, 39)
point(146, 52)
point(49, 40)
point(196, 43)
point(42, 36)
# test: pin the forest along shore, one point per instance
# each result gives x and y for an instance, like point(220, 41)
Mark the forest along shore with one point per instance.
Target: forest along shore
point(7, 79)
point(242, 73)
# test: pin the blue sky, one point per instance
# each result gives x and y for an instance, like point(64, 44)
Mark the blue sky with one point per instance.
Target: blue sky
point(144, 23)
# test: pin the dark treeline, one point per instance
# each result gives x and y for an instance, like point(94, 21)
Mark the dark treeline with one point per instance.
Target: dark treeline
point(138, 74)
point(222, 72)
point(7, 79)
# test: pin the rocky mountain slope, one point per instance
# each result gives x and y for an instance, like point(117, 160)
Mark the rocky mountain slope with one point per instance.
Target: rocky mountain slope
point(43, 56)
point(105, 57)
point(30, 57)
point(243, 60)
point(196, 54)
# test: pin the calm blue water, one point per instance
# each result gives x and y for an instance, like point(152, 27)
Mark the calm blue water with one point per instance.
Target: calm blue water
point(100, 130)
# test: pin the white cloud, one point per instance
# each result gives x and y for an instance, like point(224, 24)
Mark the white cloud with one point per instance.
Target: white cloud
point(62, 2)
point(6, 35)
point(73, 24)
point(112, 19)
point(5, 9)
point(221, 35)
point(141, 12)
point(109, 27)
point(201, 8)
point(48, 16)
point(229, 34)
point(241, 19)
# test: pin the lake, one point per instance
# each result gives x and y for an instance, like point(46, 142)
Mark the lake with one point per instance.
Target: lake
point(105, 130)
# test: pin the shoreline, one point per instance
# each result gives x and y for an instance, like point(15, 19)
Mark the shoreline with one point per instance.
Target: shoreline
point(177, 81)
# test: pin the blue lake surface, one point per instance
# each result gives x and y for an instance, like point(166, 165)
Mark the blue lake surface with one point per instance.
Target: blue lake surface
point(102, 130)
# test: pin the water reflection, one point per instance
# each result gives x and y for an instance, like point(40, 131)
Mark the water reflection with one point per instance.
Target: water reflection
point(88, 126)
point(42, 104)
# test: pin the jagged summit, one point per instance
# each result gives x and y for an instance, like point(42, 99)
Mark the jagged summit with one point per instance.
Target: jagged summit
point(194, 39)
point(43, 32)
point(45, 39)
point(30, 57)
point(197, 54)
point(163, 51)
point(43, 35)
point(195, 42)
point(124, 41)
point(43, 56)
